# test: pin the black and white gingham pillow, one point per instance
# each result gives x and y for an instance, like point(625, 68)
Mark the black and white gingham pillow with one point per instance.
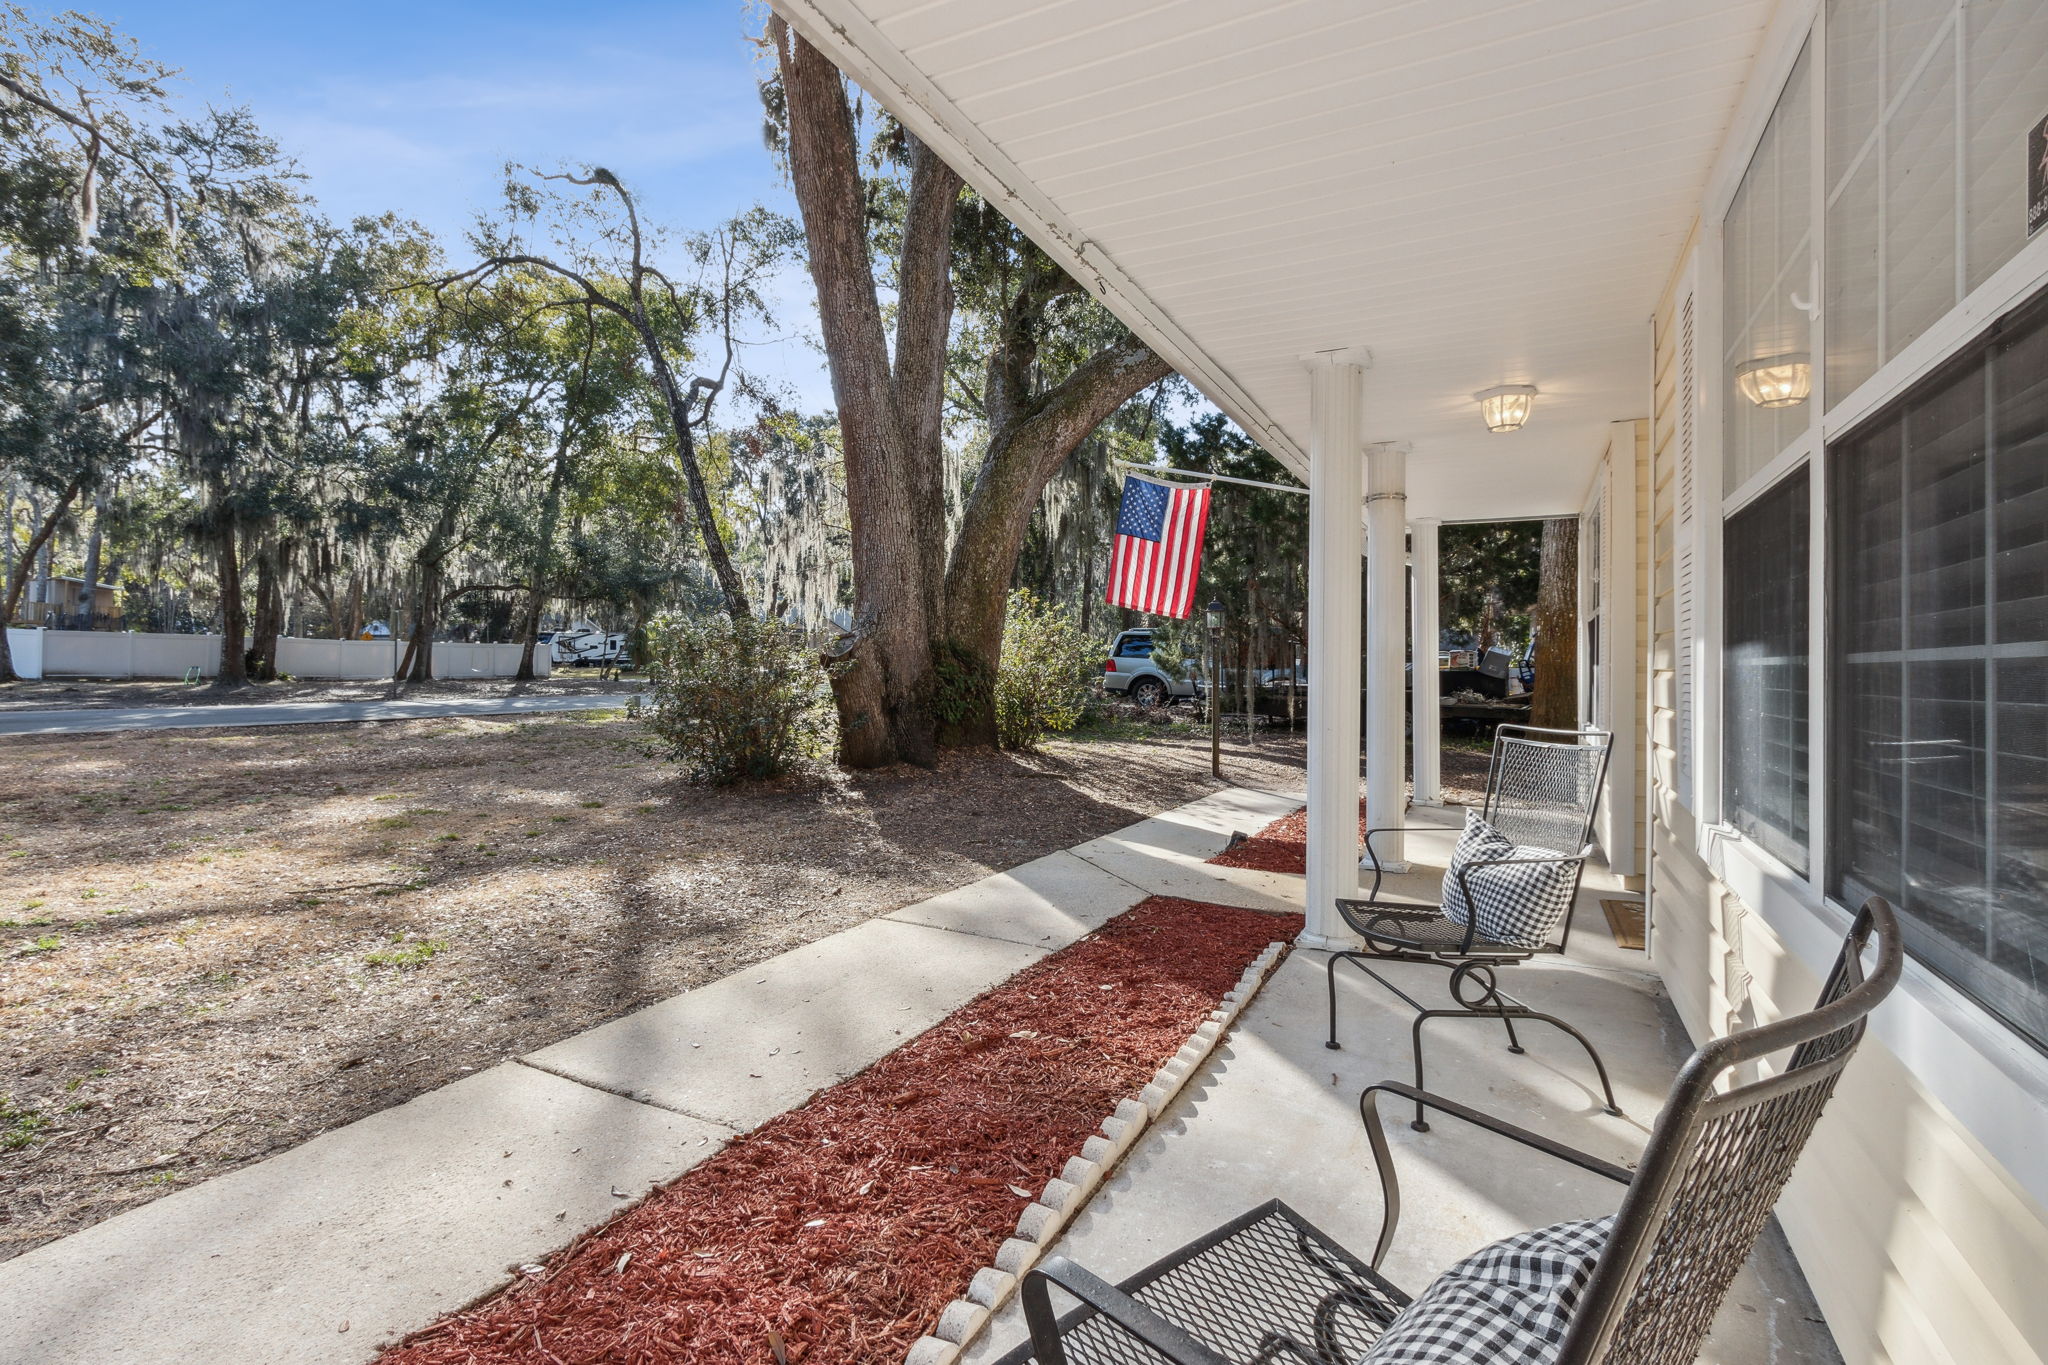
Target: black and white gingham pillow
point(1506, 1304)
point(1519, 904)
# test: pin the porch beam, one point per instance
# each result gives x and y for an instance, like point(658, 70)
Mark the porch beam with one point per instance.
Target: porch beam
point(1425, 710)
point(1335, 542)
point(1386, 649)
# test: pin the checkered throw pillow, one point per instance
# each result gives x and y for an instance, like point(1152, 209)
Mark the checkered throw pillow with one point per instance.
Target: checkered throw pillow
point(1506, 1304)
point(1519, 904)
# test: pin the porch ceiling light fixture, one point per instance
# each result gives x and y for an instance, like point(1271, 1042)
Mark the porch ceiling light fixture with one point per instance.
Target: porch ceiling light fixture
point(1506, 406)
point(1777, 381)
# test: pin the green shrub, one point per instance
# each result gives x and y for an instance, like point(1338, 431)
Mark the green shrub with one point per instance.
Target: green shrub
point(1042, 687)
point(735, 701)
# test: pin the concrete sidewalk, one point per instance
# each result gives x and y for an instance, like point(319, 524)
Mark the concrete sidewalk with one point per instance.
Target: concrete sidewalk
point(364, 1234)
point(294, 713)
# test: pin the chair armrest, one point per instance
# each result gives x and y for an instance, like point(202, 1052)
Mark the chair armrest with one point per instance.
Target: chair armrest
point(1377, 871)
point(1172, 1342)
point(1383, 1157)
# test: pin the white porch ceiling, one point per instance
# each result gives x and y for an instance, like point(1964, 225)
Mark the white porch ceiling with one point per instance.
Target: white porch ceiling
point(1481, 191)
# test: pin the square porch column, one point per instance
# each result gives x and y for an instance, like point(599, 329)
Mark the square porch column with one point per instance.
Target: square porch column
point(1336, 402)
point(1386, 649)
point(1425, 711)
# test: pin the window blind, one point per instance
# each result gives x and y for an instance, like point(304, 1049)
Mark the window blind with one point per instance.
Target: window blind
point(1765, 610)
point(1938, 763)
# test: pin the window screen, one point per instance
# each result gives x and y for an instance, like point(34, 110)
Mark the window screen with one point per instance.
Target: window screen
point(1767, 268)
point(1764, 701)
point(1928, 107)
point(1938, 724)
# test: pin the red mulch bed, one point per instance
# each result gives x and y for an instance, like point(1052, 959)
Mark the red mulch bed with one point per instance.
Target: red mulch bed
point(1280, 847)
point(847, 1225)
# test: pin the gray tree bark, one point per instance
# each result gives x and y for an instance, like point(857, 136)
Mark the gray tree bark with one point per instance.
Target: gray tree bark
point(920, 612)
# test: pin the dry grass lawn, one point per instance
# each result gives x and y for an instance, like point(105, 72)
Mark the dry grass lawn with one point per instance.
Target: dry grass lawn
point(217, 944)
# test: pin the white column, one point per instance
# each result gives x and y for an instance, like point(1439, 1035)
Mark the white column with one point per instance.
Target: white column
point(1386, 648)
point(1336, 402)
point(1424, 708)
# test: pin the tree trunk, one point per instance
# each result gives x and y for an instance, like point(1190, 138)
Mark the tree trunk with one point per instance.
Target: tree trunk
point(234, 619)
point(1556, 619)
point(885, 685)
point(266, 622)
point(419, 651)
point(1022, 457)
point(350, 623)
point(543, 559)
point(18, 572)
point(89, 592)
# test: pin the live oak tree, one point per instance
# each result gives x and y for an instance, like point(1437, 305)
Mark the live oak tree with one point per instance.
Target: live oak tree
point(604, 254)
point(978, 310)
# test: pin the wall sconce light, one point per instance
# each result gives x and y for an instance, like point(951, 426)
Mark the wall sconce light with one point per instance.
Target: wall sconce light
point(1777, 381)
point(1506, 406)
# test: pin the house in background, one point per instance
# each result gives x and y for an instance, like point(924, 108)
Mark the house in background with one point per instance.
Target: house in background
point(58, 601)
point(1760, 293)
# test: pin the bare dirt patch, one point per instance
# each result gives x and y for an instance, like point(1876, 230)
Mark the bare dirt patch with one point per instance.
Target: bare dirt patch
point(215, 944)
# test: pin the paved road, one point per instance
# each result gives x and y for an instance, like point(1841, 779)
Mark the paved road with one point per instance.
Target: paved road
point(293, 713)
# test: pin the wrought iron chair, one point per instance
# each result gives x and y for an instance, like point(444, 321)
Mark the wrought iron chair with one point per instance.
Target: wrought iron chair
point(1542, 788)
point(1270, 1287)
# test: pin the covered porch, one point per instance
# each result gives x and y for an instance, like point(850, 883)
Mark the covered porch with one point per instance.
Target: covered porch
point(1273, 1114)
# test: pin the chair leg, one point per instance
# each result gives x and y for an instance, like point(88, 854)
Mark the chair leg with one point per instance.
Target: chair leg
point(1606, 1086)
point(1521, 1012)
point(1331, 970)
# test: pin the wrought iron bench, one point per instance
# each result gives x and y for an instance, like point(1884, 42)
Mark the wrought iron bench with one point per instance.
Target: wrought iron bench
point(1270, 1287)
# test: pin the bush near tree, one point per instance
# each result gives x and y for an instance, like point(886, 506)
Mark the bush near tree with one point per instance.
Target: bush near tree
point(737, 700)
point(1042, 684)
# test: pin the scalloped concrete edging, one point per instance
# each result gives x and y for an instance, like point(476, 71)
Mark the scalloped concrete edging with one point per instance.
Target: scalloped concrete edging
point(1042, 1222)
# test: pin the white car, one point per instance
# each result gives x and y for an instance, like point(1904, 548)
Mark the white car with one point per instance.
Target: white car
point(1130, 670)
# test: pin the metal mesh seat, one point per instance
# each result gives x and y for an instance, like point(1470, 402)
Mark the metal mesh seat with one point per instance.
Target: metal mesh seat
point(1400, 927)
point(1269, 1287)
point(1542, 789)
point(1317, 1302)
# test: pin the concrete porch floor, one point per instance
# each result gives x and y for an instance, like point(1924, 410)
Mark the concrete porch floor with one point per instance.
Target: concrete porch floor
point(1272, 1112)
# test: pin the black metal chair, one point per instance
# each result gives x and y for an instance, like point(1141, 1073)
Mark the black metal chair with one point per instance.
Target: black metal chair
point(1542, 788)
point(1270, 1287)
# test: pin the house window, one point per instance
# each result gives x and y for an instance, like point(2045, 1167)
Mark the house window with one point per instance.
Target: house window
point(1938, 718)
point(1764, 698)
point(1928, 107)
point(1766, 274)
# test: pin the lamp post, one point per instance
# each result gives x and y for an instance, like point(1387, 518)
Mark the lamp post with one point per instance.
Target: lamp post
point(1215, 618)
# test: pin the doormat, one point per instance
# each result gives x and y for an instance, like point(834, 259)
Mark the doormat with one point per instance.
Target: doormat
point(1625, 919)
point(837, 1233)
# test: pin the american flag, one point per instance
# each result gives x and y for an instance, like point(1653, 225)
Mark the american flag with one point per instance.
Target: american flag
point(1158, 551)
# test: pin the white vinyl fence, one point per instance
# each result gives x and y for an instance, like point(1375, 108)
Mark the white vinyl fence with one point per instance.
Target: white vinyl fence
point(25, 647)
point(121, 654)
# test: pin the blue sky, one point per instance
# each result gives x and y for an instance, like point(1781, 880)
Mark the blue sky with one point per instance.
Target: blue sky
point(415, 107)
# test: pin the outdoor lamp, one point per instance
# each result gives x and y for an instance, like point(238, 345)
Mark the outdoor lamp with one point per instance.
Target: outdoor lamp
point(1506, 406)
point(1215, 614)
point(1777, 381)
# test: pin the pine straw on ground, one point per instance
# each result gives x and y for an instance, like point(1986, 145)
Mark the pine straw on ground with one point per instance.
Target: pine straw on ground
point(846, 1226)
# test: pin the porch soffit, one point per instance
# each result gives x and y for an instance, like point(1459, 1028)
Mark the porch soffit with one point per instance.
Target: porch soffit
point(1482, 191)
